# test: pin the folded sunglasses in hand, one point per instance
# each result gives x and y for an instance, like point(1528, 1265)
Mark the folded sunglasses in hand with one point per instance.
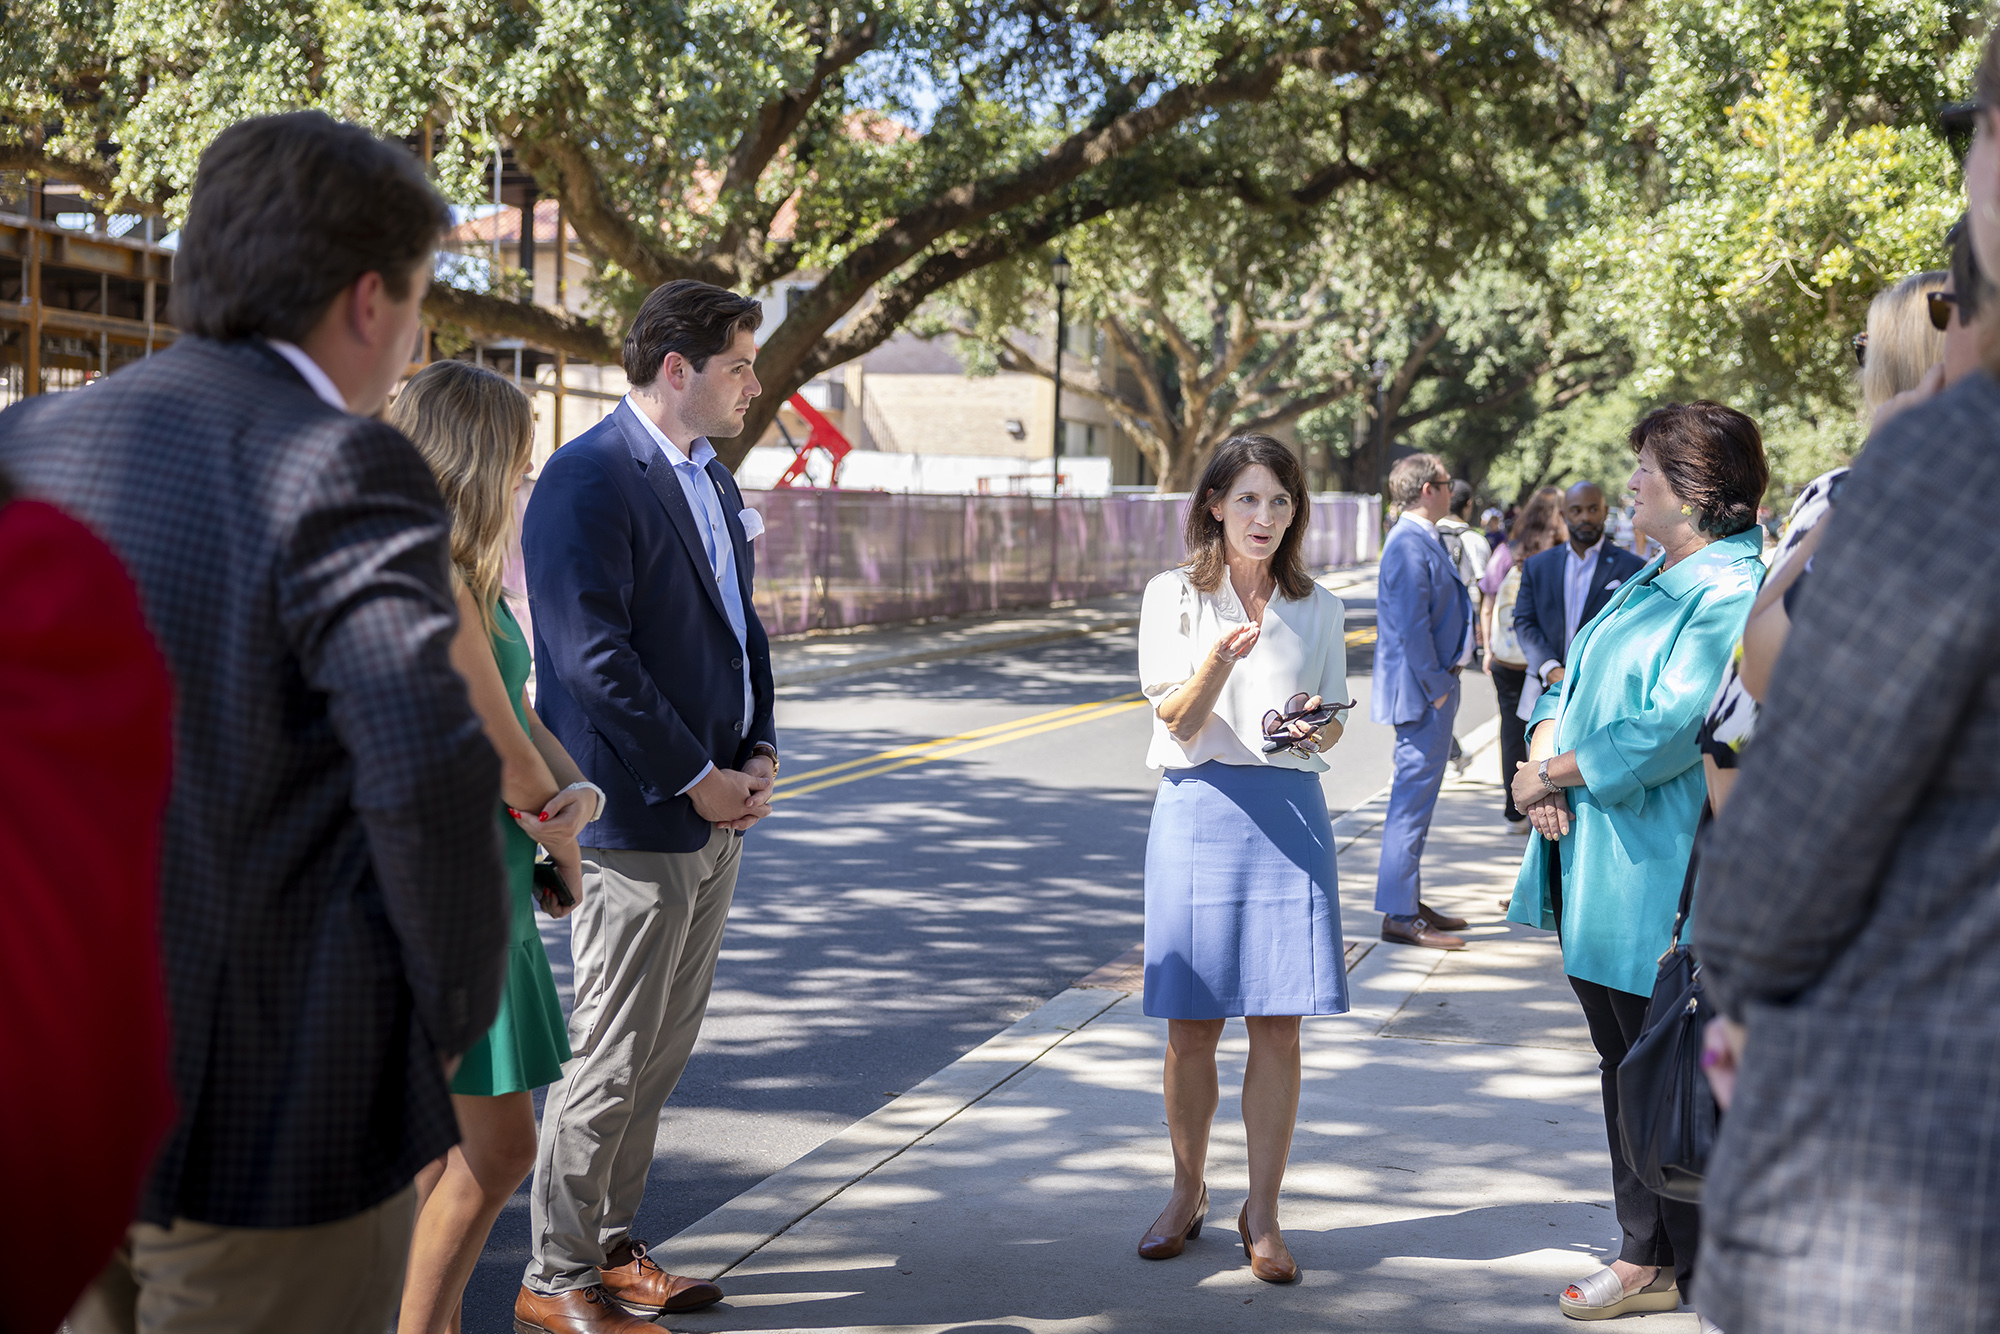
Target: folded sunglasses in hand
point(1278, 723)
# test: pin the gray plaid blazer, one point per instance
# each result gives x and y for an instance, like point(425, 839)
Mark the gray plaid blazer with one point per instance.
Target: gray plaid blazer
point(1849, 912)
point(333, 910)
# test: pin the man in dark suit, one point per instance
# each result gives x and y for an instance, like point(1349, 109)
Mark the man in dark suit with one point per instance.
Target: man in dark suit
point(1565, 586)
point(333, 912)
point(655, 672)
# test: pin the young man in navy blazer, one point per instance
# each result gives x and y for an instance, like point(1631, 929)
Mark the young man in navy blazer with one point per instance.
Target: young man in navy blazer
point(655, 672)
point(1423, 639)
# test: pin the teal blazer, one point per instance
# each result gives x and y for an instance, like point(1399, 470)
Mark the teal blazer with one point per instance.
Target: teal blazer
point(1642, 675)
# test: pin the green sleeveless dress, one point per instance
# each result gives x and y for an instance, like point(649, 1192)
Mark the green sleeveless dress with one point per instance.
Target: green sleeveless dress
point(529, 1042)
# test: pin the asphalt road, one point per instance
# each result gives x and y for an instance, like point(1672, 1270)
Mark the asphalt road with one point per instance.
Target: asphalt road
point(910, 899)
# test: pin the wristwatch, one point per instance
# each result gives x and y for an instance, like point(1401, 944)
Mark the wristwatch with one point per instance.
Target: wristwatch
point(768, 751)
point(1542, 772)
point(593, 788)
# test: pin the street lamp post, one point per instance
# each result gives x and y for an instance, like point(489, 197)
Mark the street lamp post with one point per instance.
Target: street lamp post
point(1381, 369)
point(1058, 270)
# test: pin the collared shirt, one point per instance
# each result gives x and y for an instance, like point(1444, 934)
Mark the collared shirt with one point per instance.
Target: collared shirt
point(691, 471)
point(1302, 648)
point(1465, 641)
point(1578, 571)
point(322, 383)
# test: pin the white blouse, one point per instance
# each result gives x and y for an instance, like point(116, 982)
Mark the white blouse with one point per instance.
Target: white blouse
point(1302, 647)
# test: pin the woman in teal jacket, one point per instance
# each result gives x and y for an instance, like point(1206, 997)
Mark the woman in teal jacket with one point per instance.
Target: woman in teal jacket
point(1614, 786)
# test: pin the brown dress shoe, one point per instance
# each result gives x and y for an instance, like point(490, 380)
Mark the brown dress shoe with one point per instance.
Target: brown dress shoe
point(643, 1288)
point(1439, 920)
point(1419, 932)
point(579, 1311)
point(1166, 1245)
point(1270, 1270)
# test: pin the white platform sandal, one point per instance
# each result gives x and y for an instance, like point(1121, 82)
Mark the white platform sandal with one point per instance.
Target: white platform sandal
point(1602, 1296)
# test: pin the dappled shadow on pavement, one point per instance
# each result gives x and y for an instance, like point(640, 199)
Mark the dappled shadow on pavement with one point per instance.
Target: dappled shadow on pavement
point(1446, 1175)
point(880, 930)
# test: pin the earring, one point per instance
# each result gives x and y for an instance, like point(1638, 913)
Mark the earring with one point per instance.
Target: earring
point(1688, 510)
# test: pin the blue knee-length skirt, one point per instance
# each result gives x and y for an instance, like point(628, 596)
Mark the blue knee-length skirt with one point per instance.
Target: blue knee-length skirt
point(1242, 908)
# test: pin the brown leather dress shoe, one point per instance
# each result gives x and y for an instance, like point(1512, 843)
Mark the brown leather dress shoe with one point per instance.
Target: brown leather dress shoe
point(579, 1311)
point(643, 1288)
point(1419, 932)
point(1166, 1245)
point(1271, 1271)
point(1439, 920)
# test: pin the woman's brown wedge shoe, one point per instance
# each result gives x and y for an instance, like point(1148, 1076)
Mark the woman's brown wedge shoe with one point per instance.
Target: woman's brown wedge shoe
point(1166, 1245)
point(1271, 1271)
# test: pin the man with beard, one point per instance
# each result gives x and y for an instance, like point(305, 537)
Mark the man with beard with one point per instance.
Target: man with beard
point(1565, 586)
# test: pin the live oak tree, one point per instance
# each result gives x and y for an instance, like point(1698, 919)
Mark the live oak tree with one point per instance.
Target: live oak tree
point(1765, 167)
point(873, 156)
point(1254, 309)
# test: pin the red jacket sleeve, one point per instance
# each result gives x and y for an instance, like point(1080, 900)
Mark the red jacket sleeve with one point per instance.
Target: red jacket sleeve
point(85, 745)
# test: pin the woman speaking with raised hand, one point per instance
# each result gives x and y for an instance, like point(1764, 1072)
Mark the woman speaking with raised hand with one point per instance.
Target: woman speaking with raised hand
point(1244, 659)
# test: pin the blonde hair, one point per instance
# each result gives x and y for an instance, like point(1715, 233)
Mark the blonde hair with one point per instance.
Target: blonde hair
point(477, 432)
point(1902, 345)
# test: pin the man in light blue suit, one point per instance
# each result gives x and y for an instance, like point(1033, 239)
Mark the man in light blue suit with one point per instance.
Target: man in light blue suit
point(1423, 629)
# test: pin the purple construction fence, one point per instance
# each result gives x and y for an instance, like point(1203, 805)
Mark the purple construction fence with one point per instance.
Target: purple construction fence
point(831, 559)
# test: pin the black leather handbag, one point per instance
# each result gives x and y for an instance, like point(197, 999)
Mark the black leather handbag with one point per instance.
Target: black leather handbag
point(1667, 1115)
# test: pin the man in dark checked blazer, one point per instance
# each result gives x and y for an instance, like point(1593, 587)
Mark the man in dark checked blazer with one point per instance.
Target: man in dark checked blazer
point(333, 915)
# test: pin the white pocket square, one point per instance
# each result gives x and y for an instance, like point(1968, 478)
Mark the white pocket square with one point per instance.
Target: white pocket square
point(1607, 588)
point(753, 524)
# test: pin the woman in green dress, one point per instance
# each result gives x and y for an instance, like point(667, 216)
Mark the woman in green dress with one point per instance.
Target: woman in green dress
point(476, 431)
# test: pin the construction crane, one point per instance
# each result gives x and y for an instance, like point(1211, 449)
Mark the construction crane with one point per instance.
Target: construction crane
point(824, 435)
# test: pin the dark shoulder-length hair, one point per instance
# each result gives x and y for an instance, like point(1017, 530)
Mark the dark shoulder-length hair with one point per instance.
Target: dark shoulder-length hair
point(1539, 526)
point(1206, 547)
point(1713, 458)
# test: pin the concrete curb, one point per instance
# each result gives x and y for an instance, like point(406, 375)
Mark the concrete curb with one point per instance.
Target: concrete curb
point(712, 1246)
point(972, 645)
point(716, 1244)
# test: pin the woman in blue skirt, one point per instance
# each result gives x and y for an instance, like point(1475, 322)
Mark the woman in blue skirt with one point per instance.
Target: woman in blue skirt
point(1245, 660)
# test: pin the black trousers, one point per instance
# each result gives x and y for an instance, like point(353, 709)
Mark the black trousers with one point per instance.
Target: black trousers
point(1658, 1231)
point(1508, 682)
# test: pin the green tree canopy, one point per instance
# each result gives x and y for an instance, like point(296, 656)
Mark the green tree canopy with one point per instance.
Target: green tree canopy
point(875, 155)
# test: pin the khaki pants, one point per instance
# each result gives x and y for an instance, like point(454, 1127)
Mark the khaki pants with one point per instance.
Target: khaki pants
point(336, 1278)
point(644, 939)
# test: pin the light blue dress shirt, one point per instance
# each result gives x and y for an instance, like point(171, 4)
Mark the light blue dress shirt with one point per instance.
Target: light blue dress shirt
point(1578, 572)
point(691, 470)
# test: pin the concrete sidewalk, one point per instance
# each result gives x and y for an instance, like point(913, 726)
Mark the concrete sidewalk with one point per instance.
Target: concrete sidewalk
point(1449, 1170)
point(803, 659)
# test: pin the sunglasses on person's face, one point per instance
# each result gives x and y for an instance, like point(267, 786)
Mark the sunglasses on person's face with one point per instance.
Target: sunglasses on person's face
point(1861, 349)
point(1941, 304)
point(1295, 711)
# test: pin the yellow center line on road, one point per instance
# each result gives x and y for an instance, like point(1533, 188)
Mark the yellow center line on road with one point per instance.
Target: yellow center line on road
point(963, 744)
point(1361, 635)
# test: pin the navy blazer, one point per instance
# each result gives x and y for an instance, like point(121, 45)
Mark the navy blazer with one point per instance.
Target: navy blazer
point(637, 670)
point(1421, 614)
point(1539, 611)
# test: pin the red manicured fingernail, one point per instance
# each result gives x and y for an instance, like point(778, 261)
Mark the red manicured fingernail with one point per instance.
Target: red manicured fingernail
point(543, 816)
point(511, 811)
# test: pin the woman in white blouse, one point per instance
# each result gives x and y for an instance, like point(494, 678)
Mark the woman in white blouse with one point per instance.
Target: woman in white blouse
point(1245, 660)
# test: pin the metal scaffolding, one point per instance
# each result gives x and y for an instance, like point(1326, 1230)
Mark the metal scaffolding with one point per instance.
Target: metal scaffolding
point(75, 304)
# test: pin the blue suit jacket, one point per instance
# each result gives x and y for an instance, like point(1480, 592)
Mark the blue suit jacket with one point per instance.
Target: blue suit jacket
point(1421, 615)
point(1538, 611)
point(638, 673)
